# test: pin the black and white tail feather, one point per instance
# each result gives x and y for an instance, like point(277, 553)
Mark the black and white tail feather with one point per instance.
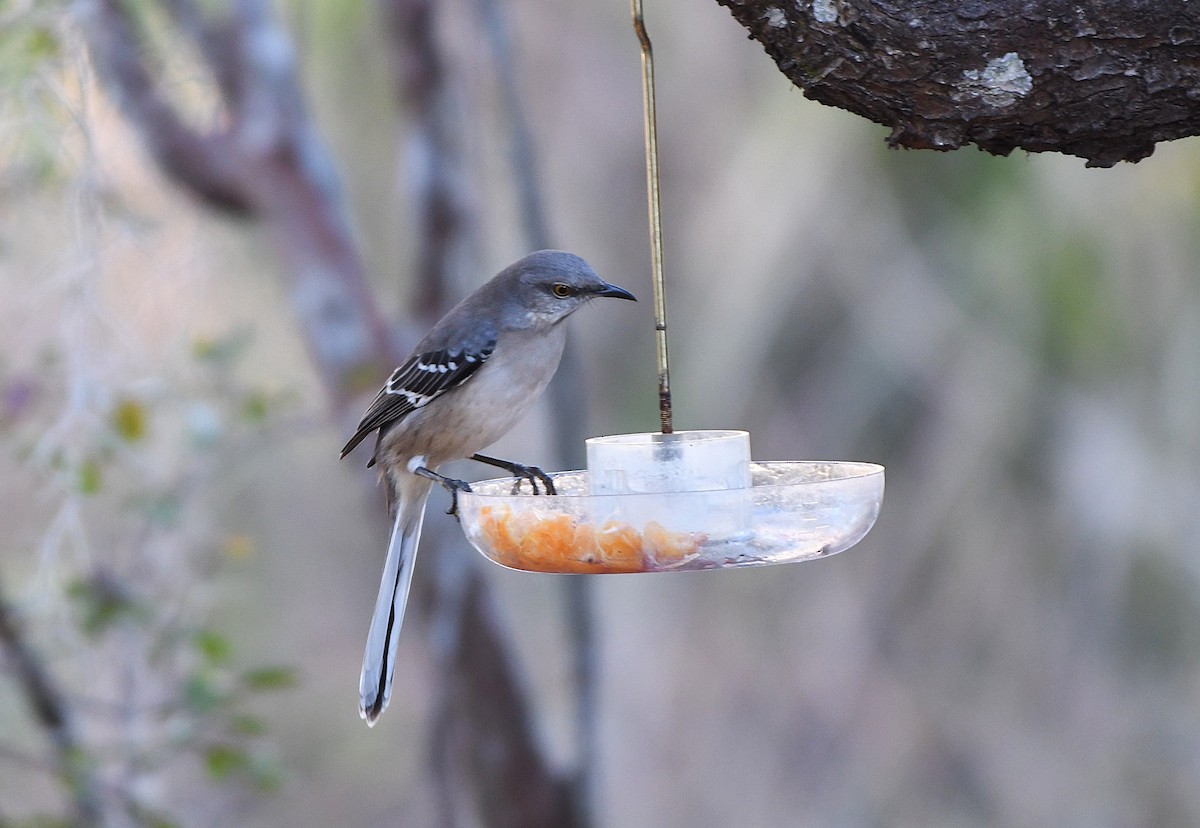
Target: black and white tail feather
point(421, 379)
point(379, 658)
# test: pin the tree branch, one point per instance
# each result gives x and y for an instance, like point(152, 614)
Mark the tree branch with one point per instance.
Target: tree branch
point(208, 163)
point(493, 729)
point(265, 162)
point(1103, 81)
point(437, 178)
point(51, 713)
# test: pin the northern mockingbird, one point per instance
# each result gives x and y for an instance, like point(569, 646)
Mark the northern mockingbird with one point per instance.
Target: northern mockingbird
point(466, 384)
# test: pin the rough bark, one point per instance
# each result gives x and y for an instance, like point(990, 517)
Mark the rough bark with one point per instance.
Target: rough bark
point(1104, 81)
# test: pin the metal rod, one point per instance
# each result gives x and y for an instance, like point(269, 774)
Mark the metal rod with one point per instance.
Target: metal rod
point(656, 244)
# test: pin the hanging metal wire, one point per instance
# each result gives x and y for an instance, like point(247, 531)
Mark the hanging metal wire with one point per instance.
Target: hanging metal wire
point(650, 121)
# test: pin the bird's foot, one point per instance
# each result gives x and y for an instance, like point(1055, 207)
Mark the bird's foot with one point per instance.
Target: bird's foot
point(532, 474)
point(454, 487)
point(449, 484)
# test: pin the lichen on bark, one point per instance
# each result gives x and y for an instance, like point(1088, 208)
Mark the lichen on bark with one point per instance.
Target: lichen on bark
point(1100, 80)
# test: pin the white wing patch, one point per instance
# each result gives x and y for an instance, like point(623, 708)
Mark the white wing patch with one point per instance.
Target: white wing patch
point(414, 399)
point(420, 380)
point(433, 367)
point(431, 375)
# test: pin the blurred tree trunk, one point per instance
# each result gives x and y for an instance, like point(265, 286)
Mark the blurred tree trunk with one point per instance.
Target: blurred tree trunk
point(1103, 81)
point(568, 398)
point(266, 164)
point(470, 718)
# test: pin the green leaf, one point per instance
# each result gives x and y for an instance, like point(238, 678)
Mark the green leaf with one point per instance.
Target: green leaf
point(221, 761)
point(255, 406)
point(214, 647)
point(23, 48)
point(90, 477)
point(269, 678)
point(130, 420)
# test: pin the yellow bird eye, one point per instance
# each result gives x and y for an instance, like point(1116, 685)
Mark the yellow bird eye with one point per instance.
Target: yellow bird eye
point(561, 290)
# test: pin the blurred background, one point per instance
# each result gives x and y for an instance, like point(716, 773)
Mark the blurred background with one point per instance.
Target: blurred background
point(1016, 643)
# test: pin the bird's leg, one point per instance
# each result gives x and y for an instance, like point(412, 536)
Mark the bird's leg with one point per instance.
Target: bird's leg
point(448, 483)
point(531, 473)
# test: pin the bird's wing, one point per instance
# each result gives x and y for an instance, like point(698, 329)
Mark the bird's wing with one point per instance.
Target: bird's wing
point(420, 380)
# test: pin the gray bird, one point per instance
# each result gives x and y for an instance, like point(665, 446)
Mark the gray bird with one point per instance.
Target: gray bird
point(466, 384)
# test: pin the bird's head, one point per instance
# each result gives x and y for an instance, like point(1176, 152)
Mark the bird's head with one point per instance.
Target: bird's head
point(550, 285)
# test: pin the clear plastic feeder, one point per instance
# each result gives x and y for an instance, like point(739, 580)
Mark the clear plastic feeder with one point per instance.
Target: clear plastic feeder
point(626, 468)
point(630, 511)
point(694, 461)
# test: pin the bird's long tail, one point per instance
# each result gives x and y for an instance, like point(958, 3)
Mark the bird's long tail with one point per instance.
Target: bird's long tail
point(379, 659)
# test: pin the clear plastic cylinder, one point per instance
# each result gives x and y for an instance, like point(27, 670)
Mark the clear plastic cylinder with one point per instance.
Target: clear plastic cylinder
point(684, 461)
point(629, 469)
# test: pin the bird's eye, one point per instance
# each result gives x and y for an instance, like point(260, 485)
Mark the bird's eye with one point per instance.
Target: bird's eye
point(562, 291)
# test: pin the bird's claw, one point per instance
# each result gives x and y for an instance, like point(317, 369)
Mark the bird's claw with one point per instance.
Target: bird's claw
point(522, 472)
point(534, 475)
point(454, 487)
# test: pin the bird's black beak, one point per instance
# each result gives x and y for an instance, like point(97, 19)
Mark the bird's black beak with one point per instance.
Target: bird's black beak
point(616, 292)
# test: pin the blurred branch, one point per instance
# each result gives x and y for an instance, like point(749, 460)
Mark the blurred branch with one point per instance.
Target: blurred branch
point(208, 164)
point(446, 230)
point(1103, 81)
point(491, 721)
point(263, 162)
point(534, 227)
point(51, 713)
